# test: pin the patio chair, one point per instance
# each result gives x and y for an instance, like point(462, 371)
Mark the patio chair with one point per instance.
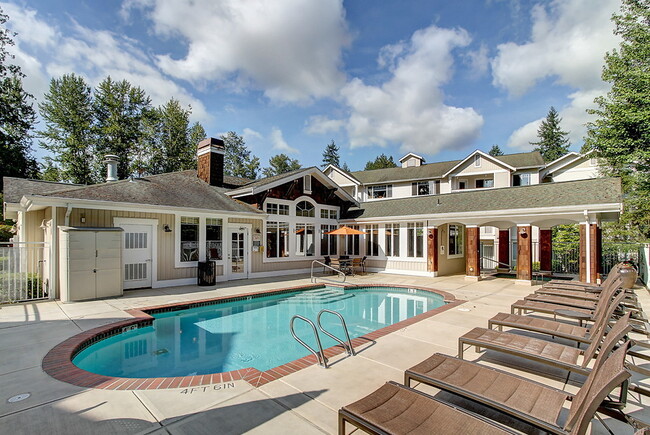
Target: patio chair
point(590, 287)
point(327, 261)
point(529, 401)
point(396, 409)
point(569, 300)
point(543, 351)
point(356, 265)
point(335, 264)
point(363, 264)
point(556, 328)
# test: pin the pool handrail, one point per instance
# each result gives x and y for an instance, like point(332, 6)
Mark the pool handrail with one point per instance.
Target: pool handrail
point(313, 278)
point(322, 361)
point(347, 346)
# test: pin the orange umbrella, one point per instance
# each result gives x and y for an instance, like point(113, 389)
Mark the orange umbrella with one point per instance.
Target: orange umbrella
point(345, 231)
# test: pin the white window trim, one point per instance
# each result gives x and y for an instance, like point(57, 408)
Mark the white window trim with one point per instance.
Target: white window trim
point(177, 238)
point(462, 254)
point(304, 183)
point(117, 221)
point(477, 160)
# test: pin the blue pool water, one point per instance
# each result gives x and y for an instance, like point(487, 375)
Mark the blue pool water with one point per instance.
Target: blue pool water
point(252, 333)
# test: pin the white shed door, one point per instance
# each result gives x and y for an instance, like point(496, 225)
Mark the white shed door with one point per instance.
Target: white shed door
point(137, 255)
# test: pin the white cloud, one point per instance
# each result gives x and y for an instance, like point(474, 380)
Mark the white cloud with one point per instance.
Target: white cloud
point(250, 134)
point(322, 124)
point(91, 53)
point(291, 49)
point(568, 42)
point(478, 61)
point(279, 143)
point(409, 108)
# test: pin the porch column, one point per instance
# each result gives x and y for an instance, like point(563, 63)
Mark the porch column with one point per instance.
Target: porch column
point(432, 250)
point(472, 253)
point(504, 248)
point(590, 252)
point(545, 249)
point(524, 254)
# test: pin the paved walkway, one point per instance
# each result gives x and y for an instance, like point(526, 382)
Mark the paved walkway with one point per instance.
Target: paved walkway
point(305, 402)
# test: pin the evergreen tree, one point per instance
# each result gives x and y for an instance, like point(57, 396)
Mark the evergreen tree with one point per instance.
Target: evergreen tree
point(238, 161)
point(345, 167)
point(331, 155)
point(621, 133)
point(68, 115)
point(120, 109)
point(381, 162)
point(17, 115)
point(197, 134)
point(179, 153)
point(281, 164)
point(553, 142)
point(495, 151)
point(148, 157)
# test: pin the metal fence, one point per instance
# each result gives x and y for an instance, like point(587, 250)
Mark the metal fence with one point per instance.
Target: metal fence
point(23, 272)
point(566, 256)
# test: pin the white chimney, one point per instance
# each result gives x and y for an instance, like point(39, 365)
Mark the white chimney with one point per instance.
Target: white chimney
point(111, 166)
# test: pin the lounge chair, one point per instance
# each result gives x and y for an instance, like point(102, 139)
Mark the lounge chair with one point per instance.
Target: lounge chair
point(556, 328)
point(614, 273)
point(526, 400)
point(543, 351)
point(396, 409)
point(571, 301)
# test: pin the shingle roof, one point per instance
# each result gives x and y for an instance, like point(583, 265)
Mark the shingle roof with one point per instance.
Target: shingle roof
point(176, 189)
point(267, 180)
point(16, 188)
point(568, 193)
point(438, 169)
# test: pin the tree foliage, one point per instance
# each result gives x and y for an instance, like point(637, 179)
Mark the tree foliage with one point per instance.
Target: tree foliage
point(281, 164)
point(553, 142)
point(238, 160)
point(495, 151)
point(17, 115)
point(381, 162)
point(621, 133)
point(179, 153)
point(67, 111)
point(331, 155)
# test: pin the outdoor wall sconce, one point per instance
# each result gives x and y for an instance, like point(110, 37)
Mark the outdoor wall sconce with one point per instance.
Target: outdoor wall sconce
point(167, 229)
point(523, 233)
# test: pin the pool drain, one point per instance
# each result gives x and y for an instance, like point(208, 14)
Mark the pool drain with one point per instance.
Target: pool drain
point(18, 397)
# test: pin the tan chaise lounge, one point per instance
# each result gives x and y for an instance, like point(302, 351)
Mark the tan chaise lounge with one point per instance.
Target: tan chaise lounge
point(546, 352)
point(555, 328)
point(568, 300)
point(536, 404)
point(578, 285)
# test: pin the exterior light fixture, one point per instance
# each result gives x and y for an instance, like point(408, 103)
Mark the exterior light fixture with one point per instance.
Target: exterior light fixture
point(167, 229)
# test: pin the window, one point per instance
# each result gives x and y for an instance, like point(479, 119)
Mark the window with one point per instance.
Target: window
point(521, 179)
point(305, 209)
point(420, 188)
point(352, 243)
point(477, 160)
point(380, 191)
point(305, 239)
point(372, 240)
point(484, 183)
point(593, 161)
point(189, 239)
point(328, 214)
point(277, 239)
point(415, 239)
point(436, 187)
point(410, 162)
point(282, 209)
point(306, 183)
point(456, 243)
point(213, 239)
point(392, 240)
point(328, 243)
point(462, 184)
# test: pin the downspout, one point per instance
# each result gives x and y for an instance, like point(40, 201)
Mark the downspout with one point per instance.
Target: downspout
point(588, 246)
point(67, 215)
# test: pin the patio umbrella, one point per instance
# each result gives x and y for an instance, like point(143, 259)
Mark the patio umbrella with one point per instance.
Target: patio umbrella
point(345, 231)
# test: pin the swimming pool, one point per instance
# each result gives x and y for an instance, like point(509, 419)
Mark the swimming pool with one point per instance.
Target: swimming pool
point(233, 335)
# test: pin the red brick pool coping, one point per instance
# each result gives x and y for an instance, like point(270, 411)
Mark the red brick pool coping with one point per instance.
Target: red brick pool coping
point(58, 361)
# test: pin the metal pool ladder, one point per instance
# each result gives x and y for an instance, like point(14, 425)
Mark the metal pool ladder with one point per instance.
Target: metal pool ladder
point(319, 354)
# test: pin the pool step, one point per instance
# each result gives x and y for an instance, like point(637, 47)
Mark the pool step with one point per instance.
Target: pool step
point(318, 296)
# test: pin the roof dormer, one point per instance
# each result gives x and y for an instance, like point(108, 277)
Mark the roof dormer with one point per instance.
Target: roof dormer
point(411, 160)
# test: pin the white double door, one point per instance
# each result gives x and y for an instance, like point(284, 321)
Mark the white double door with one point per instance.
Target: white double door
point(137, 255)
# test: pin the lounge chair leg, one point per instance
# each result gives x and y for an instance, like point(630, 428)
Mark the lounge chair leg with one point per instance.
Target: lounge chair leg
point(460, 349)
point(341, 424)
point(407, 379)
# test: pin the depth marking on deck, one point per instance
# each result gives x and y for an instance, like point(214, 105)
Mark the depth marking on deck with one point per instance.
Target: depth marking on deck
point(206, 388)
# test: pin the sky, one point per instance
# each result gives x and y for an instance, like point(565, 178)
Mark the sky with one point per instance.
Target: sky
point(435, 77)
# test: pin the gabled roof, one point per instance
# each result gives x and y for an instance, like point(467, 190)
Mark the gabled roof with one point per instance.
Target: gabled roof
point(342, 172)
point(439, 169)
point(277, 180)
point(566, 160)
point(568, 193)
point(16, 188)
point(175, 189)
point(409, 155)
point(485, 156)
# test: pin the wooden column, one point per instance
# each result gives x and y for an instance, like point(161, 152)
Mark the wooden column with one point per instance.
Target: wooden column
point(524, 253)
point(504, 248)
point(472, 252)
point(545, 250)
point(432, 251)
point(590, 252)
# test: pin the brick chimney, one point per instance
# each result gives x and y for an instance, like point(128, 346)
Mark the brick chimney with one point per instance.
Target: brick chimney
point(210, 161)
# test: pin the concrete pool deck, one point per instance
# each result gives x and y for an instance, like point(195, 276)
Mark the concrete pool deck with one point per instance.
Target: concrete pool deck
point(303, 402)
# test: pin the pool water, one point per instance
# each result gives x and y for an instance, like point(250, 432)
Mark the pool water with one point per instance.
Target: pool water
point(251, 333)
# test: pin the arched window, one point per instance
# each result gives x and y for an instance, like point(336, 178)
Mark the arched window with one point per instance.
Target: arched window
point(305, 208)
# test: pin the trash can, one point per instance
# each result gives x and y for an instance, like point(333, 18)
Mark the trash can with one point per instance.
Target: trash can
point(206, 273)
